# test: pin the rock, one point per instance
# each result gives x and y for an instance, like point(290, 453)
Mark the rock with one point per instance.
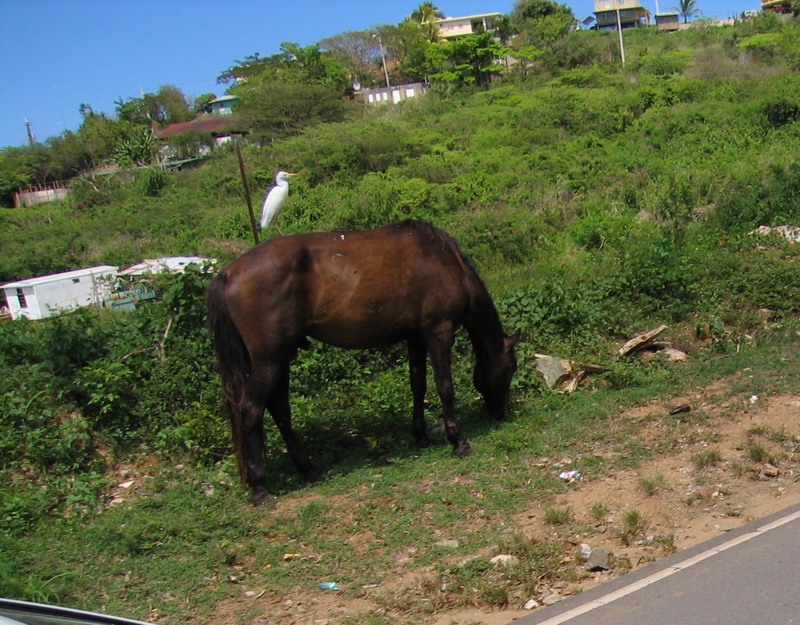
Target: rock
point(598, 560)
point(674, 355)
point(447, 544)
point(505, 560)
point(561, 374)
point(582, 552)
point(552, 598)
point(769, 471)
point(790, 233)
point(530, 604)
point(640, 341)
point(554, 370)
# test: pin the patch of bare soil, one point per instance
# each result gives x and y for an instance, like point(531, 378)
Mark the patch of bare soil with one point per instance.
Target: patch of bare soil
point(727, 460)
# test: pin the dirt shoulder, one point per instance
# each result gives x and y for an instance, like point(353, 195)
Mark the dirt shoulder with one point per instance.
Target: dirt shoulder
point(716, 459)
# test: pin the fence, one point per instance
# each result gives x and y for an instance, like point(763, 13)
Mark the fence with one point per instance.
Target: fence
point(39, 195)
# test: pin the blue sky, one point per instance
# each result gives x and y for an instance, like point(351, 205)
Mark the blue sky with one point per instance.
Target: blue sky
point(57, 54)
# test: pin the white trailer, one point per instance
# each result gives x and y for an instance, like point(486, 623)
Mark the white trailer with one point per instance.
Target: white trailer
point(37, 298)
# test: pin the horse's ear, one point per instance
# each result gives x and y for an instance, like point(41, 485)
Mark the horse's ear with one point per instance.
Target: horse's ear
point(513, 340)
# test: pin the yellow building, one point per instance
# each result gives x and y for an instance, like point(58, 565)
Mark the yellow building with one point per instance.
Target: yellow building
point(453, 27)
point(631, 14)
point(776, 6)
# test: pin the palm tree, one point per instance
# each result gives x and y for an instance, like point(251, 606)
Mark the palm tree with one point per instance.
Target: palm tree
point(426, 12)
point(425, 15)
point(688, 9)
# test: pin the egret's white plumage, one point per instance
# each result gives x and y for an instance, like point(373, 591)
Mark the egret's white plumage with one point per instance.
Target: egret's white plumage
point(275, 199)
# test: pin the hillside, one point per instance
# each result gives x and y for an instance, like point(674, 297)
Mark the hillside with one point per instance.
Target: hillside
point(597, 202)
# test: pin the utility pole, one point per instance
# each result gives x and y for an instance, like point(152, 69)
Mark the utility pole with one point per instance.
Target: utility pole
point(246, 187)
point(619, 30)
point(29, 129)
point(383, 59)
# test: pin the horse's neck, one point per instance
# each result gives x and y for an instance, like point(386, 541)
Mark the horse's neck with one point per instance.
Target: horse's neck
point(483, 326)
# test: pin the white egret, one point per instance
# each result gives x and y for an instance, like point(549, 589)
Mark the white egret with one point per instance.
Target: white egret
point(275, 199)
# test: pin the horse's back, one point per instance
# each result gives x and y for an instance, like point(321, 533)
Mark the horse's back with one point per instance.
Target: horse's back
point(353, 289)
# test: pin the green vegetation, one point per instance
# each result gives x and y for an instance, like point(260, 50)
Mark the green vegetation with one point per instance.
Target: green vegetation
point(597, 202)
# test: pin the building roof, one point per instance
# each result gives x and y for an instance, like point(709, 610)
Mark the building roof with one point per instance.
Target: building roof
point(172, 264)
point(206, 124)
point(224, 98)
point(57, 277)
point(465, 17)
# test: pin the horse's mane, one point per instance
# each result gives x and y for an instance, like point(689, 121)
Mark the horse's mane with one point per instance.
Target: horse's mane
point(446, 241)
point(482, 307)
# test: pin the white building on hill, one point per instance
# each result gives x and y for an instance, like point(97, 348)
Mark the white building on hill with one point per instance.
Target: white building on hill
point(37, 298)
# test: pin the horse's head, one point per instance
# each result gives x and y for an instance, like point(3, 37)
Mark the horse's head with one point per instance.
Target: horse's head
point(492, 378)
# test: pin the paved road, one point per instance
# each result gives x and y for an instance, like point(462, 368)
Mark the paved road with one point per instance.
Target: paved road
point(750, 576)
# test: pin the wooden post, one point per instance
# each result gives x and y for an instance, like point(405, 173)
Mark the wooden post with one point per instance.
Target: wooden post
point(247, 193)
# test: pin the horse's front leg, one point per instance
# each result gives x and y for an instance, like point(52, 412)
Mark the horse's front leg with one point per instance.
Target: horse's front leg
point(440, 348)
point(417, 355)
point(280, 409)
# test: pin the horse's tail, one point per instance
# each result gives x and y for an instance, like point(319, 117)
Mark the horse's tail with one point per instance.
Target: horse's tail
point(233, 360)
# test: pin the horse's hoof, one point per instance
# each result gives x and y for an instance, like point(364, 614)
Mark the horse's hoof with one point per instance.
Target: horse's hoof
point(462, 450)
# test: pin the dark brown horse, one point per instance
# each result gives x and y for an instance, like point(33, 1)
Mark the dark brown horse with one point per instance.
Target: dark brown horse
point(403, 282)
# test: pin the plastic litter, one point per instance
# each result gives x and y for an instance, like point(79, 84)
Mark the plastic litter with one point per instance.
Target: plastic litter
point(328, 586)
point(572, 475)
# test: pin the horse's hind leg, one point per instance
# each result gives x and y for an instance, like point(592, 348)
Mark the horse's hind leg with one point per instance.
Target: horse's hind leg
point(252, 424)
point(440, 347)
point(417, 355)
point(279, 408)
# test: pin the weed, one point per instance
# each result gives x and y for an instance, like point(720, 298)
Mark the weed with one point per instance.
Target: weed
point(599, 511)
point(706, 459)
point(733, 511)
point(652, 484)
point(494, 595)
point(558, 516)
point(757, 453)
point(633, 523)
point(740, 469)
point(667, 543)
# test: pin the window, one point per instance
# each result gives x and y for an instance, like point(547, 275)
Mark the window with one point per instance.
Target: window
point(21, 297)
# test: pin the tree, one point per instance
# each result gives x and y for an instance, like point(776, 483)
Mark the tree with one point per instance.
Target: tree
point(138, 149)
point(251, 66)
point(358, 52)
point(295, 64)
point(271, 109)
point(426, 15)
point(469, 61)
point(199, 103)
point(167, 106)
point(541, 23)
point(688, 9)
point(408, 47)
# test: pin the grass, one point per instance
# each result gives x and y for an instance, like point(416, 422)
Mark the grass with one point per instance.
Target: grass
point(599, 511)
point(706, 459)
point(175, 550)
point(652, 484)
point(558, 516)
